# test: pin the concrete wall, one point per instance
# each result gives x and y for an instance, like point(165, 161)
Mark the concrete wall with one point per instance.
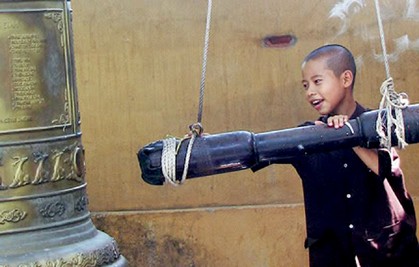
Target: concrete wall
point(138, 73)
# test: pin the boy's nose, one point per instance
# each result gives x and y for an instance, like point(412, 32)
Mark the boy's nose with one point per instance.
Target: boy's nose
point(310, 91)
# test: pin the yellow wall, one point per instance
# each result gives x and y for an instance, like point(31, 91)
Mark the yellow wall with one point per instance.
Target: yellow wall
point(138, 73)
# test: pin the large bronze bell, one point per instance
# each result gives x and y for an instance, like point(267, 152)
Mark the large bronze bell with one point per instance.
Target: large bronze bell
point(44, 218)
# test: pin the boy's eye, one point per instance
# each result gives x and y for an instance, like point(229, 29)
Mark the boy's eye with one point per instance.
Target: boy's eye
point(317, 81)
point(305, 86)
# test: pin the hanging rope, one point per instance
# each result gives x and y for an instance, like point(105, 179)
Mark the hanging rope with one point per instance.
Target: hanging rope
point(391, 103)
point(204, 62)
point(169, 152)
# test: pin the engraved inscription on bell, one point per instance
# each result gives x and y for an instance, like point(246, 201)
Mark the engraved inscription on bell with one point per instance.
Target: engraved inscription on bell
point(32, 72)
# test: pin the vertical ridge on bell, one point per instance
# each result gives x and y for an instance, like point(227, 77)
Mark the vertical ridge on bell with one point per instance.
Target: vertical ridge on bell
point(44, 216)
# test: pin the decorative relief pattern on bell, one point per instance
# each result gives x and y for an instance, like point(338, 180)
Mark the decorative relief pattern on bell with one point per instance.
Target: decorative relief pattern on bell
point(43, 211)
point(99, 257)
point(12, 216)
point(43, 166)
point(20, 178)
point(41, 173)
point(52, 210)
point(64, 119)
point(81, 204)
point(57, 17)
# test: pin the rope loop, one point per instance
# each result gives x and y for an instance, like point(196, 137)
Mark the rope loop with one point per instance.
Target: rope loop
point(196, 129)
point(168, 160)
point(391, 96)
point(391, 104)
point(169, 154)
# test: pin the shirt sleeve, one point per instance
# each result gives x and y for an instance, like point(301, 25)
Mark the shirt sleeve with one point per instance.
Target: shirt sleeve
point(389, 169)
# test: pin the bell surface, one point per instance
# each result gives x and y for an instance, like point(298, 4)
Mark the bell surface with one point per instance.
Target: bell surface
point(44, 217)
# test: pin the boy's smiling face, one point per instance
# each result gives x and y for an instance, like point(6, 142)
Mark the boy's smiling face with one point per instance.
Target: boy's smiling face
point(326, 92)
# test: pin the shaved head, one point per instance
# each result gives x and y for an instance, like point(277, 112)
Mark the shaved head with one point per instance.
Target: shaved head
point(338, 59)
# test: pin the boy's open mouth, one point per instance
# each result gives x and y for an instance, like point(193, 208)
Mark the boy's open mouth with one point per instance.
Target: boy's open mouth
point(316, 102)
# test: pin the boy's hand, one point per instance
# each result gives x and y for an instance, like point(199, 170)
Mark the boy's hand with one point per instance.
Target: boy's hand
point(337, 121)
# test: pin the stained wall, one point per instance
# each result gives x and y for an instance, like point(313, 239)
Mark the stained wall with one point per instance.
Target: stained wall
point(138, 68)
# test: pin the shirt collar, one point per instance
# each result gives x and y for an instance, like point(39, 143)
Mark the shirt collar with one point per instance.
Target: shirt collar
point(358, 111)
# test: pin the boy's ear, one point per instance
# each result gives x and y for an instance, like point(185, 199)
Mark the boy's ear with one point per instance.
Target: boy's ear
point(347, 78)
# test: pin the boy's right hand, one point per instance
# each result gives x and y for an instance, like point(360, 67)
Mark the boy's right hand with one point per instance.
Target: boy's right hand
point(337, 121)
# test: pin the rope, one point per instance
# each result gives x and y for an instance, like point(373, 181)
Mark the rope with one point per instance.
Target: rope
point(391, 101)
point(169, 153)
point(204, 62)
point(382, 38)
point(168, 160)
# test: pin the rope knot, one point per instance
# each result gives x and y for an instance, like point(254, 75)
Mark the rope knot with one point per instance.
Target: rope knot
point(391, 96)
point(392, 104)
point(196, 128)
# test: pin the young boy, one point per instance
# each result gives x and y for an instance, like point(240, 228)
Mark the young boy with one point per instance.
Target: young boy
point(358, 212)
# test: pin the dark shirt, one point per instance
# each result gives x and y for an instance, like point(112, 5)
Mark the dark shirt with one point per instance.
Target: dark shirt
point(348, 207)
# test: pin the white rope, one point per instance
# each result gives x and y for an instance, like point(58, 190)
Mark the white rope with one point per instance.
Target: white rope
point(168, 160)
point(391, 101)
point(187, 157)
